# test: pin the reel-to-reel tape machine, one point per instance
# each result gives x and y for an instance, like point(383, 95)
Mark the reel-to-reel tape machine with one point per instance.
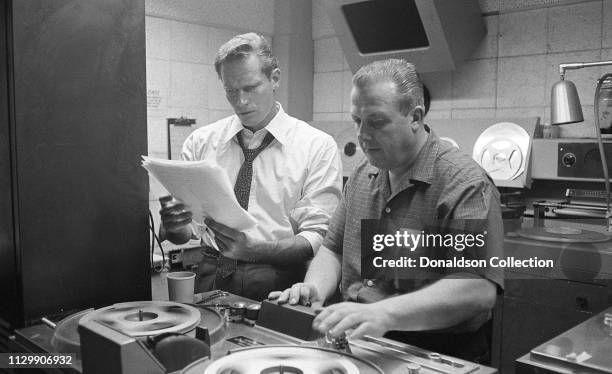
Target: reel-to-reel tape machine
point(223, 334)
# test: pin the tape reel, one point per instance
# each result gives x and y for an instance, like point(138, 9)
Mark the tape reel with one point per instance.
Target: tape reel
point(563, 235)
point(502, 150)
point(145, 318)
point(502, 159)
point(284, 358)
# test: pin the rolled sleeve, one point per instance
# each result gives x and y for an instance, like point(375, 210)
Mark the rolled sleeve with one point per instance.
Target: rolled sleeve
point(314, 238)
point(320, 196)
point(335, 235)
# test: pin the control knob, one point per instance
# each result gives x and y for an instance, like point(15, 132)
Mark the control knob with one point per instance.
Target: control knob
point(413, 368)
point(568, 159)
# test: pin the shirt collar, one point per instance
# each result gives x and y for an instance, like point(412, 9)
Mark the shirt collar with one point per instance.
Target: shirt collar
point(277, 127)
point(423, 168)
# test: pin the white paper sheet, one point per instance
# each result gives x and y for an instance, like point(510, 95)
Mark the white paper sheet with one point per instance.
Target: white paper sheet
point(204, 187)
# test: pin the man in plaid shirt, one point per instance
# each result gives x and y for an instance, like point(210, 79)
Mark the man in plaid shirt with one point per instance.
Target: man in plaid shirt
point(410, 181)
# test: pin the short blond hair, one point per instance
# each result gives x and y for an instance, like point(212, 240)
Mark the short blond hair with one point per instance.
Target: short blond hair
point(241, 46)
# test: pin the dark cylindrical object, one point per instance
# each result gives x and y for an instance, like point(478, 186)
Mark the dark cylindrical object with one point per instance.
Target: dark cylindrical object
point(178, 235)
point(236, 311)
point(252, 311)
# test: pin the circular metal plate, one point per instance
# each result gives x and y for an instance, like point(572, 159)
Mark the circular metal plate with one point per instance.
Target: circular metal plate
point(66, 336)
point(284, 359)
point(145, 318)
point(559, 235)
point(501, 150)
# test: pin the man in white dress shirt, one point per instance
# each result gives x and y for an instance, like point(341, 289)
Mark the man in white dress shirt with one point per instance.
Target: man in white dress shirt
point(286, 173)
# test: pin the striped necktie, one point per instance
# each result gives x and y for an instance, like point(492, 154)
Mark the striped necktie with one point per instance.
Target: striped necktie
point(242, 188)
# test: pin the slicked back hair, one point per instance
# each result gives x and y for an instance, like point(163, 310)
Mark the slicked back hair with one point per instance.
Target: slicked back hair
point(241, 46)
point(409, 89)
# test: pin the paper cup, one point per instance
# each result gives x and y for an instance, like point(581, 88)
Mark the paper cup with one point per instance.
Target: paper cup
point(181, 286)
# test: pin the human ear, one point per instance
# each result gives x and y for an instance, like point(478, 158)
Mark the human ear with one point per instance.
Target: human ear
point(275, 78)
point(417, 114)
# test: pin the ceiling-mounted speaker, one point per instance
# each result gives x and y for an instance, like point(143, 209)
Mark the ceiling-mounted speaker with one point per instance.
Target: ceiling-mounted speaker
point(435, 35)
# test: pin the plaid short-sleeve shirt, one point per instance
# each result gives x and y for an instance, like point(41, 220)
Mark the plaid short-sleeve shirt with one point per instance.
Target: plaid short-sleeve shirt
point(443, 185)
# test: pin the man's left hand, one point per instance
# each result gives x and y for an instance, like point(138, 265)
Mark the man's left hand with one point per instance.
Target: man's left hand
point(233, 243)
point(362, 319)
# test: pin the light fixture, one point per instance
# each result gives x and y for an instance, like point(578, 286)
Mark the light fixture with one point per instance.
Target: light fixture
point(565, 108)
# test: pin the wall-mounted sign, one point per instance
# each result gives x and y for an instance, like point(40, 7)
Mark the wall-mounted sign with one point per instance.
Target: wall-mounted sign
point(153, 99)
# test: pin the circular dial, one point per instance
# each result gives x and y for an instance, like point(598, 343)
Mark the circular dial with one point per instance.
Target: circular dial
point(568, 159)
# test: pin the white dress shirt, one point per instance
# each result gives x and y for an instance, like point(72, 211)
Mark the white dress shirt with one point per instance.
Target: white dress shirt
point(297, 179)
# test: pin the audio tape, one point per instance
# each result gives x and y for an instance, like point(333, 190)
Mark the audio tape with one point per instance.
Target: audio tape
point(224, 333)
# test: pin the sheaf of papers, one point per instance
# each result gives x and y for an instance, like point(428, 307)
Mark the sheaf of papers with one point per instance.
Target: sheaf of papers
point(204, 187)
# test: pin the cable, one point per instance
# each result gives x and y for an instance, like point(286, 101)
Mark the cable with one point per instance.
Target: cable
point(151, 228)
point(602, 152)
point(155, 238)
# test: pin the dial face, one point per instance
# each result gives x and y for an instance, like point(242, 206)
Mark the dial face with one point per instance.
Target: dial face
point(568, 159)
point(350, 149)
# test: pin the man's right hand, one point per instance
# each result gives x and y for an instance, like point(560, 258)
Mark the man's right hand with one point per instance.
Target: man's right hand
point(175, 220)
point(302, 293)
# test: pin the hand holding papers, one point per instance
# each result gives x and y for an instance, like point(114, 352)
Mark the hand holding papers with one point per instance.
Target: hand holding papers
point(204, 187)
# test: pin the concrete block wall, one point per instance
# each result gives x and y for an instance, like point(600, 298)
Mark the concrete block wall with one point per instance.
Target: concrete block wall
point(509, 75)
point(511, 72)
